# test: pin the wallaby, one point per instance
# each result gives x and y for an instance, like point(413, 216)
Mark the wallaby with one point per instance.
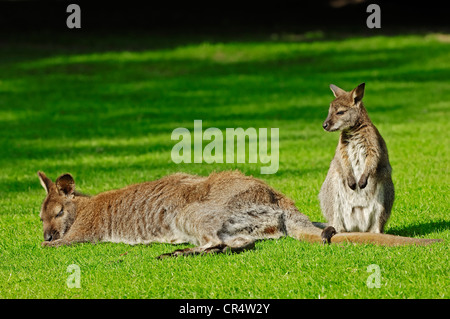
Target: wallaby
point(358, 193)
point(226, 211)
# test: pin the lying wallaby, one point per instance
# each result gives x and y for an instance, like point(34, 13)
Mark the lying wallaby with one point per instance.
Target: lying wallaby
point(358, 192)
point(225, 211)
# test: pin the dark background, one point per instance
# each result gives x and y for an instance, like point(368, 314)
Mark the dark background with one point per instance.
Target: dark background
point(218, 16)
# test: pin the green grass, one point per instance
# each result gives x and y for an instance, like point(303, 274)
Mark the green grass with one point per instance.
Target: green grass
point(103, 109)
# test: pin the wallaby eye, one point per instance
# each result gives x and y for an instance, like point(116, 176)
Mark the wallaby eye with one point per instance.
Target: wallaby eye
point(60, 213)
point(340, 112)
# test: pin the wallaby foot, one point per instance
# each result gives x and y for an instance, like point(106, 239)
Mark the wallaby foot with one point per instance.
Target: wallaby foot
point(327, 233)
point(194, 251)
point(217, 249)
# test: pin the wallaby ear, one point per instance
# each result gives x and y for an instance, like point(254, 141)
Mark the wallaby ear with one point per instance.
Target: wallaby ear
point(65, 184)
point(337, 91)
point(45, 181)
point(358, 93)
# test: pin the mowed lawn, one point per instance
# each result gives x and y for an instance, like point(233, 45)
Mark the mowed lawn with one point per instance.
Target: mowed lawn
point(103, 108)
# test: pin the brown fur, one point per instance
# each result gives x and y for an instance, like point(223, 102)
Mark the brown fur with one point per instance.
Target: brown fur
point(358, 192)
point(225, 211)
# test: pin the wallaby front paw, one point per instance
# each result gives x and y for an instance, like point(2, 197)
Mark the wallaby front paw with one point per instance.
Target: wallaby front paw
point(363, 181)
point(53, 243)
point(45, 244)
point(351, 182)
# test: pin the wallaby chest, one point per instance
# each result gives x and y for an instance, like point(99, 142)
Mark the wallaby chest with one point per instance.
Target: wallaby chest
point(356, 151)
point(357, 209)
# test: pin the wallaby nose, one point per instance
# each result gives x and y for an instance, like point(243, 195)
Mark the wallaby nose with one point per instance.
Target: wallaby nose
point(325, 125)
point(48, 236)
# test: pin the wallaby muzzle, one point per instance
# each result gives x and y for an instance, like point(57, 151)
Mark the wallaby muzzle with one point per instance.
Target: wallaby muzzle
point(327, 125)
point(50, 235)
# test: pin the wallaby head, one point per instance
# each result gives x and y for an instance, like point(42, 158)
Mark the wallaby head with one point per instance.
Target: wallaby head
point(58, 209)
point(345, 110)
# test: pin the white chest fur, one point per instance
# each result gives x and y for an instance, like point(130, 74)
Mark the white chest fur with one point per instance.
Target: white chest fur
point(358, 210)
point(357, 154)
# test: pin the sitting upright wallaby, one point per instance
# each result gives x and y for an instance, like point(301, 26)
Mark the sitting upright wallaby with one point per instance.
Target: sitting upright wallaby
point(358, 192)
point(225, 211)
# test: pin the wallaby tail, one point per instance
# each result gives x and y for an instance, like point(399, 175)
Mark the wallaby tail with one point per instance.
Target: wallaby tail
point(320, 225)
point(329, 235)
point(381, 239)
point(298, 226)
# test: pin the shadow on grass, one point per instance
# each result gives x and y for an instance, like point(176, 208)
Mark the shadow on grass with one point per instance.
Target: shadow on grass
point(150, 94)
point(118, 98)
point(420, 229)
point(47, 43)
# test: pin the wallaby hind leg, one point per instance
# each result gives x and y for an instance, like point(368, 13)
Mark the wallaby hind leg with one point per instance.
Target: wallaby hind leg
point(299, 226)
